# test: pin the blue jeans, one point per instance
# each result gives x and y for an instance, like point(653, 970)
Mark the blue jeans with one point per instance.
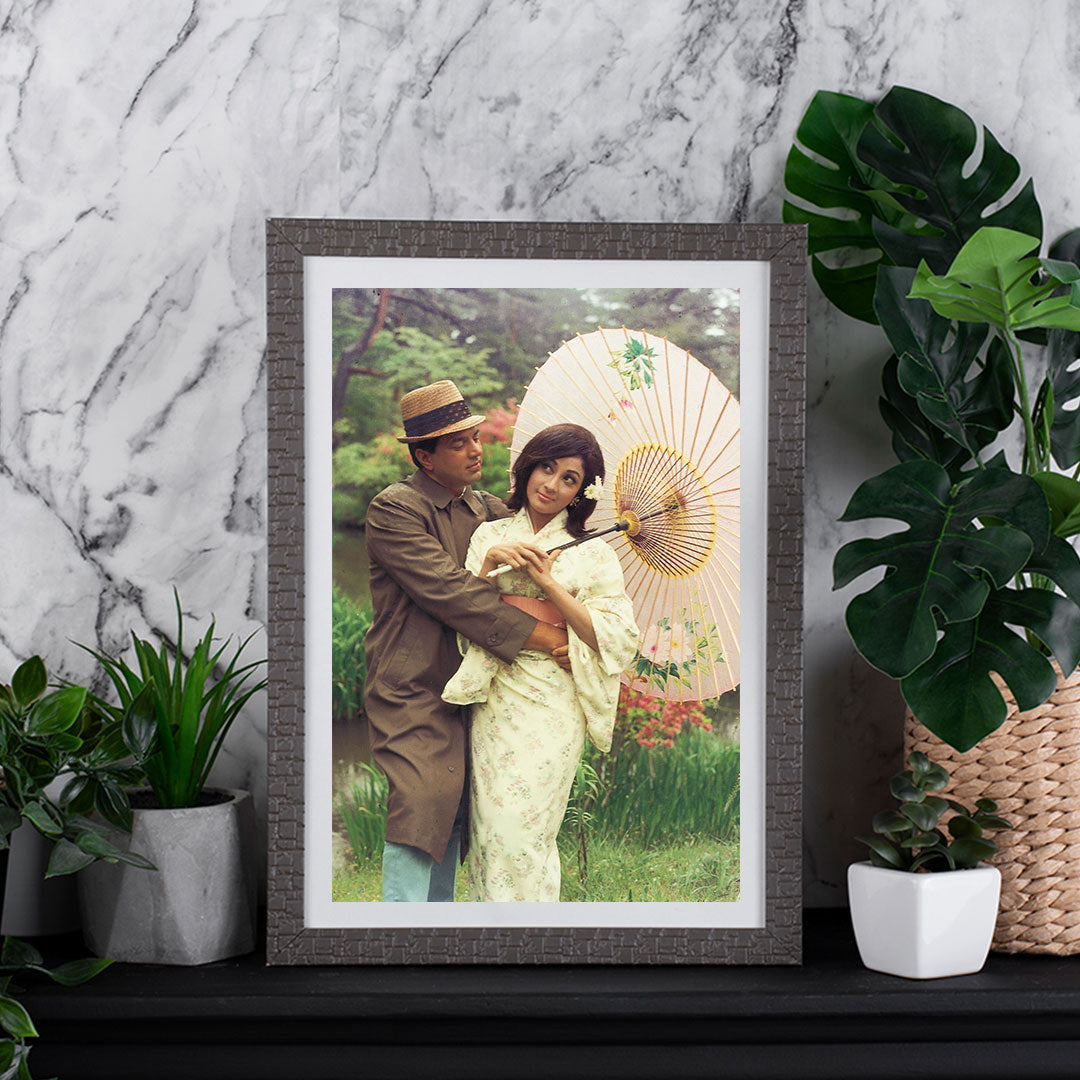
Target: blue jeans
point(409, 874)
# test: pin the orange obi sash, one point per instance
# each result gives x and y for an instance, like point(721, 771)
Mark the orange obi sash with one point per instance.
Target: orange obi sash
point(544, 610)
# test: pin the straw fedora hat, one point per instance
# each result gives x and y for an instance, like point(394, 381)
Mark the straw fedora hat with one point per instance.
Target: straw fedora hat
point(431, 411)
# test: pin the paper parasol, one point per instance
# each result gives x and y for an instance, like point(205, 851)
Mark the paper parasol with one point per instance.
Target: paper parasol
point(669, 433)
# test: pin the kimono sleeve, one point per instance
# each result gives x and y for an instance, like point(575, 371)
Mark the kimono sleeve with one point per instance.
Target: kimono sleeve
point(596, 673)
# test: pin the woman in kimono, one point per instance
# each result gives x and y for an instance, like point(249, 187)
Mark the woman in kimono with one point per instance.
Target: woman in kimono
point(530, 718)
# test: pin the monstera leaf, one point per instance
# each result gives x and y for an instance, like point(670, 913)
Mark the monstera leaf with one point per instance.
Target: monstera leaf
point(886, 185)
point(1063, 351)
point(934, 365)
point(922, 143)
point(953, 693)
point(836, 180)
point(941, 567)
point(914, 438)
point(1063, 495)
point(996, 279)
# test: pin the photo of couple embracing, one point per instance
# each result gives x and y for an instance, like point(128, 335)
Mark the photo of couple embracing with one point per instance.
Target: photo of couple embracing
point(545, 646)
point(504, 653)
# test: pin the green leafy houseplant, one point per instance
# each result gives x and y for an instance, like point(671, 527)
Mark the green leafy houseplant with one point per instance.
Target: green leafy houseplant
point(19, 956)
point(909, 838)
point(175, 713)
point(903, 232)
point(44, 736)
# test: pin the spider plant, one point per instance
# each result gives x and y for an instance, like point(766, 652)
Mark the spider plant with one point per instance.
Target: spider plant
point(189, 711)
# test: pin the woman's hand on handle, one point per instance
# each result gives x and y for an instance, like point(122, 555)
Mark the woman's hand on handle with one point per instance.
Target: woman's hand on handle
point(514, 553)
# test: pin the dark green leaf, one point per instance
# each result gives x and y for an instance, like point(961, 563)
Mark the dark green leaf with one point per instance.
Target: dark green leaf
point(935, 364)
point(1059, 562)
point(963, 826)
point(937, 565)
point(1063, 496)
point(67, 859)
point(10, 819)
point(968, 851)
point(903, 789)
point(29, 681)
point(938, 859)
point(96, 844)
point(18, 953)
point(992, 821)
point(831, 180)
point(112, 803)
point(884, 851)
point(890, 823)
point(953, 694)
point(925, 145)
point(988, 806)
point(15, 1020)
point(140, 723)
point(57, 712)
point(921, 840)
point(936, 805)
point(914, 438)
point(44, 817)
point(1054, 619)
point(76, 972)
point(921, 816)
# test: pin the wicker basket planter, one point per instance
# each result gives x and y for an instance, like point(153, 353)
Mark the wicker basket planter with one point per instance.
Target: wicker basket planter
point(1031, 767)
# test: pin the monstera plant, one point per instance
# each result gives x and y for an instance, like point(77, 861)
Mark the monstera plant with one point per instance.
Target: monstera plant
point(906, 233)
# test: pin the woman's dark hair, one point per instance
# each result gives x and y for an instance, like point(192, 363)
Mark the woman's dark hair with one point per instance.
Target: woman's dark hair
point(559, 441)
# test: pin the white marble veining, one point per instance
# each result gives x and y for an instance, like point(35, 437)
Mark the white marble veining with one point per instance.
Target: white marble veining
point(144, 147)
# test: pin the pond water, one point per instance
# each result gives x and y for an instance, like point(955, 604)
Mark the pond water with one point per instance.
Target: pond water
point(350, 563)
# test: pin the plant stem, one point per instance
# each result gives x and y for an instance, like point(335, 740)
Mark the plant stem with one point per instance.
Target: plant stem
point(1016, 358)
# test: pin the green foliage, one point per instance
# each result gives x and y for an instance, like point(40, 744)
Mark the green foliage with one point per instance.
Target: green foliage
point(635, 364)
point(176, 714)
point(898, 174)
point(348, 665)
point(909, 838)
point(490, 342)
point(364, 813)
point(957, 285)
point(657, 793)
point(19, 956)
point(943, 563)
point(47, 735)
point(361, 470)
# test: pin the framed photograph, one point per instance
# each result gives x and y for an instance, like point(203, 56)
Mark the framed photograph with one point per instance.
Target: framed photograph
point(639, 802)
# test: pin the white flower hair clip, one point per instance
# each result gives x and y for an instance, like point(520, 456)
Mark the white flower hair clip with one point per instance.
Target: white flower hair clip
point(594, 490)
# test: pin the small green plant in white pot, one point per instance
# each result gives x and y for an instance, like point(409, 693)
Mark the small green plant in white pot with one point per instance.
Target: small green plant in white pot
point(201, 904)
point(925, 904)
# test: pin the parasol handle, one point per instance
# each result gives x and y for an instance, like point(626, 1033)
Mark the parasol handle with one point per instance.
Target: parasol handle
point(630, 523)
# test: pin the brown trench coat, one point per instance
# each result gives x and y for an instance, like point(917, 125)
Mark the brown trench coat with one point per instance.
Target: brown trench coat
point(417, 538)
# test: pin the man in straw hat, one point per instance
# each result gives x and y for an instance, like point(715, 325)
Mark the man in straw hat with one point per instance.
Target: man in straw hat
point(418, 533)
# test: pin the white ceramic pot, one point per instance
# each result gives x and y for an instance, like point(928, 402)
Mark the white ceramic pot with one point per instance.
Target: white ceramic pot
point(923, 926)
point(196, 907)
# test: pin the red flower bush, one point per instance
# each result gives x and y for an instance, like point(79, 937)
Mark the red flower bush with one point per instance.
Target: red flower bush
point(653, 722)
point(498, 423)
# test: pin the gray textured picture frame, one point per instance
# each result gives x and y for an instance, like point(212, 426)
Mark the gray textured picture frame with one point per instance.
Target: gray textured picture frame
point(289, 940)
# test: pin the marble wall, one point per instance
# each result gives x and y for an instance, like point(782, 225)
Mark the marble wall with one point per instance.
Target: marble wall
point(145, 144)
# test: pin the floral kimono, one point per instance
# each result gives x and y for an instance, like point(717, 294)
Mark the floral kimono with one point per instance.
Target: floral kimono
point(530, 717)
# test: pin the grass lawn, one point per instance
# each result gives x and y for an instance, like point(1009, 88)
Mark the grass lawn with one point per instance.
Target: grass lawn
point(692, 870)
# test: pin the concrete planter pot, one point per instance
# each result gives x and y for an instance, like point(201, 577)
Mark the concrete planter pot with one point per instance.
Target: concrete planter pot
point(197, 907)
point(923, 926)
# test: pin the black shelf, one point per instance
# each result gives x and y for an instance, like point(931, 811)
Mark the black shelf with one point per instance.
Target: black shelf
point(1018, 1017)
